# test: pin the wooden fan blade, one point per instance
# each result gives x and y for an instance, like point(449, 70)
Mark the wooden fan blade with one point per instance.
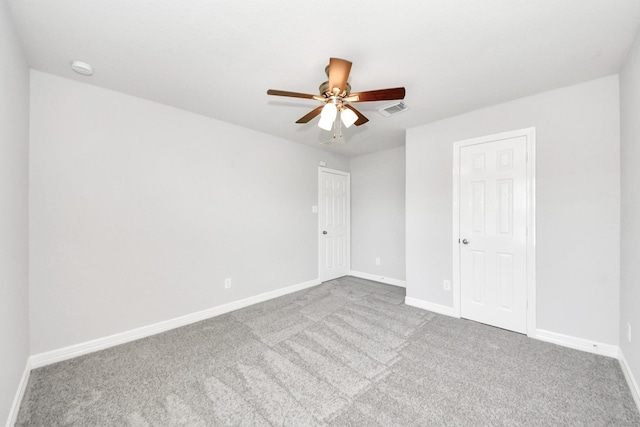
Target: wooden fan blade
point(380, 95)
point(315, 112)
point(361, 119)
point(339, 70)
point(290, 94)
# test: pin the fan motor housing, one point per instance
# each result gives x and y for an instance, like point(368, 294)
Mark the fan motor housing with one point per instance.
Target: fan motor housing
point(325, 89)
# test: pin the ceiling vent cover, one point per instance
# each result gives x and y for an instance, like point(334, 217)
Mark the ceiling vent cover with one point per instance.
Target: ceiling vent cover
point(392, 109)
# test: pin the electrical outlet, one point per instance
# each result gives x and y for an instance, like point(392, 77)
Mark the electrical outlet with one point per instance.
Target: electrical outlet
point(446, 285)
point(377, 261)
point(629, 331)
point(227, 283)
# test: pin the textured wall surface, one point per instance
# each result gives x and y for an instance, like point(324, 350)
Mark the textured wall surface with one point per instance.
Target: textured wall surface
point(14, 149)
point(139, 211)
point(630, 215)
point(377, 213)
point(577, 204)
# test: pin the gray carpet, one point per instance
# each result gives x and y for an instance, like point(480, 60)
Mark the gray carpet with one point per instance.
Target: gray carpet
point(347, 352)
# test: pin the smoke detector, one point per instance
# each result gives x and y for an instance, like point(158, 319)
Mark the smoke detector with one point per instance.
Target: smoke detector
point(392, 109)
point(82, 68)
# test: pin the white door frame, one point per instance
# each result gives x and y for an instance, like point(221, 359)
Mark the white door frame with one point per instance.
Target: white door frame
point(530, 134)
point(348, 221)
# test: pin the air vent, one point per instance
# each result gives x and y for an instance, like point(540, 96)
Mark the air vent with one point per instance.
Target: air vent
point(392, 109)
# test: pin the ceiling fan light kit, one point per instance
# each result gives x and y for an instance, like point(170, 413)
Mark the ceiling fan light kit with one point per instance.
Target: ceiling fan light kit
point(327, 116)
point(336, 95)
point(348, 117)
point(329, 111)
point(325, 124)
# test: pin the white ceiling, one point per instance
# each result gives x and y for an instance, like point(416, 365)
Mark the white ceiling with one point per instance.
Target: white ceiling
point(218, 58)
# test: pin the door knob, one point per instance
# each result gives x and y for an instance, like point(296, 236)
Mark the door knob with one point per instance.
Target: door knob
point(465, 242)
point(324, 232)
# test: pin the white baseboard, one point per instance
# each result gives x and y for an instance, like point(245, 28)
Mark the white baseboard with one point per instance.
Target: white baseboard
point(577, 343)
point(17, 400)
point(426, 305)
point(379, 278)
point(76, 350)
point(628, 374)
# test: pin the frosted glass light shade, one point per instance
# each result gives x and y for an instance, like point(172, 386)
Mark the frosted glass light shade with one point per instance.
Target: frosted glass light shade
point(329, 111)
point(328, 116)
point(348, 117)
point(325, 123)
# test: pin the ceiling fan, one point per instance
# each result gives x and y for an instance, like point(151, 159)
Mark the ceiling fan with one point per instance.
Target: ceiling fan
point(336, 96)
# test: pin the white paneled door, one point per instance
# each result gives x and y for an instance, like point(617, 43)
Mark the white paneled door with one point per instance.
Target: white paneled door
point(334, 224)
point(493, 232)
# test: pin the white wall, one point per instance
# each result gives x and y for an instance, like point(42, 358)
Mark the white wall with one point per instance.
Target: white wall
point(630, 222)
point(14, 143)
point(578, 204)
point(377, 213)
point(139, 211)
